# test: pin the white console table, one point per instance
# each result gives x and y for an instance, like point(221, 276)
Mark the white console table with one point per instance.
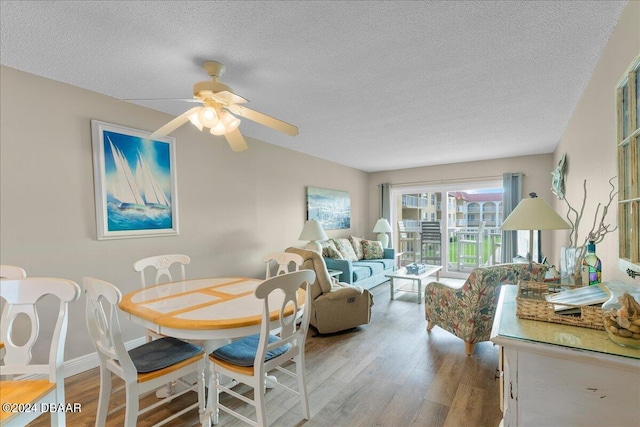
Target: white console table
point(560, 375)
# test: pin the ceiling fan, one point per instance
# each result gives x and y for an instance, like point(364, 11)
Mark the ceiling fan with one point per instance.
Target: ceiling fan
point(220, 106)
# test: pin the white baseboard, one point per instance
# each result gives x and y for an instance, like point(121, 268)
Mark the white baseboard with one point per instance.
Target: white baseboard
point(84, 363)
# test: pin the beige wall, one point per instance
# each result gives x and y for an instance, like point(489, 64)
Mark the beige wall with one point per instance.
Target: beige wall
point(233, 207)
point(590, 136)
point(536, 169)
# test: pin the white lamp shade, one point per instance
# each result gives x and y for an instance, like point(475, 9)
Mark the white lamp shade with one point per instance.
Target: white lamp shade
point(312, 231)
point(382, 226)
point(534, 213)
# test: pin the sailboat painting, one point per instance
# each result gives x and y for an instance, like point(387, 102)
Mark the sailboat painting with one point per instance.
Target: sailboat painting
point(135, 182)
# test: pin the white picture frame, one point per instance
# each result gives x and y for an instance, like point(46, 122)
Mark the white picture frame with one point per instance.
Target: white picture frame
point(135, 181)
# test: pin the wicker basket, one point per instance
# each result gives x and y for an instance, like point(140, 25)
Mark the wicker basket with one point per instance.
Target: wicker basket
point(531, 304)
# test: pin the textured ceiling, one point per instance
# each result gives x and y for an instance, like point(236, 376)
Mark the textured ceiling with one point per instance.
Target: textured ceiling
point(372, 85)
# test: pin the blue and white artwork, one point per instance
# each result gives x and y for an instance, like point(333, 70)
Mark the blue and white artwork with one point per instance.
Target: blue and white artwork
point(331, 208)
point(135, 183)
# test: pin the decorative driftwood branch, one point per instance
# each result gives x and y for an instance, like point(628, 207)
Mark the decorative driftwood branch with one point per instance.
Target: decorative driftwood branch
point(598, 229)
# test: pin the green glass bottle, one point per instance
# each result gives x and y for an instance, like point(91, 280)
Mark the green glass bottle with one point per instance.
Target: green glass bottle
point(591, 266)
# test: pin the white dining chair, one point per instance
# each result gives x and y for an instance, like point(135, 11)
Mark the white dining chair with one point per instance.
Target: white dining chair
point(144, 368)
point(248, 359)
point(162, 265)
point(20, 296)
point(282, 262)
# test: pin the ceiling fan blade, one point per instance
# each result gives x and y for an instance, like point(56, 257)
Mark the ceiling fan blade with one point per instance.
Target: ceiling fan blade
point(236, 141)
point(161, 99)
point(227, 97)
point(174, 124)
point(264, 119)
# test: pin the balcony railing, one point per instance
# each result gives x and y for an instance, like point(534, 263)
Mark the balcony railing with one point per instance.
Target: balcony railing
point(414, 201)
point(469, 246)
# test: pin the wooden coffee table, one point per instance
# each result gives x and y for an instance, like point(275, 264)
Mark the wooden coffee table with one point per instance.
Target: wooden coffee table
point(402, 274)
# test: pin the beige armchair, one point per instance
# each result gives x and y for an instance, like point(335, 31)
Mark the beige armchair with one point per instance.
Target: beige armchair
point(467, 311)
point(335, 306)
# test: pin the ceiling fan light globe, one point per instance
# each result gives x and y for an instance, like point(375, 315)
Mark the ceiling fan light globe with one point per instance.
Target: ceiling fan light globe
point(231, 122)
point(208, 117)
point(218, 129)
point(193, 118)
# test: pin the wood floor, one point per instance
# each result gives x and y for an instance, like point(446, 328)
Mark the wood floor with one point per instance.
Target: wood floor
point(388, 373)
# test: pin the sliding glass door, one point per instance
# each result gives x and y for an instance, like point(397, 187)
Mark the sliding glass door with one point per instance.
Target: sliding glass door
point(453, 225)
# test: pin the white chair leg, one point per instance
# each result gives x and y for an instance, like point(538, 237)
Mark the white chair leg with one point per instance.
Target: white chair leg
point(132, 405)
point(201, 403)
point(103, 397)
point(214, 397)
point(261, 410)
point(58, 419)
point(302, 387)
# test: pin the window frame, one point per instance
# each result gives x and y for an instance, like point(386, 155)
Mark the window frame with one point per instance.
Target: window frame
point(627, 153)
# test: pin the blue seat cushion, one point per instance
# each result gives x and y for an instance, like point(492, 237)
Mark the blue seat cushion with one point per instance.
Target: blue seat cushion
point(375, 267)
point(161, 353)
point(243, 351)
point(360, 273)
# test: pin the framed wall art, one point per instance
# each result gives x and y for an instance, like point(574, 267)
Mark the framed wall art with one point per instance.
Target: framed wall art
point(135, 183)
point(331, 208)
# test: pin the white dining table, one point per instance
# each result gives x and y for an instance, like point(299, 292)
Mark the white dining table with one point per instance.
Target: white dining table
point(210, 310)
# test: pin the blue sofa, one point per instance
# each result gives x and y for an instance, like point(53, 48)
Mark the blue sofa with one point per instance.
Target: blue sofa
point(365, 273)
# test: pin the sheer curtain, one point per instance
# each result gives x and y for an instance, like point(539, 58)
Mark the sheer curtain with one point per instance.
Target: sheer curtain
point(512, 185)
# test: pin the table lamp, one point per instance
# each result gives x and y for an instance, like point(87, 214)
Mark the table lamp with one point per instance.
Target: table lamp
point(313, 231)
point(532, 214)
point(382, 227)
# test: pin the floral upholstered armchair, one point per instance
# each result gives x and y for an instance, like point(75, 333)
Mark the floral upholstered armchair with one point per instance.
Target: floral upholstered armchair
point(467, 311)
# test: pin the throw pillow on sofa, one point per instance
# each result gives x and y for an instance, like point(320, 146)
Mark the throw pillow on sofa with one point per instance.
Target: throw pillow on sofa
point(372, 249)
point(334, 253)
point(356, 242)
point(345, 248)
point(325, 248)
point(329, 250)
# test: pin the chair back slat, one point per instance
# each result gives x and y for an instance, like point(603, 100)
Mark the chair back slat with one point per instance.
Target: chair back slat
point(162, 265)
point(284, 261)
point(19, 353)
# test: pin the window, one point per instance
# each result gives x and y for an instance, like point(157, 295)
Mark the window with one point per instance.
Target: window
point(628, 138)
